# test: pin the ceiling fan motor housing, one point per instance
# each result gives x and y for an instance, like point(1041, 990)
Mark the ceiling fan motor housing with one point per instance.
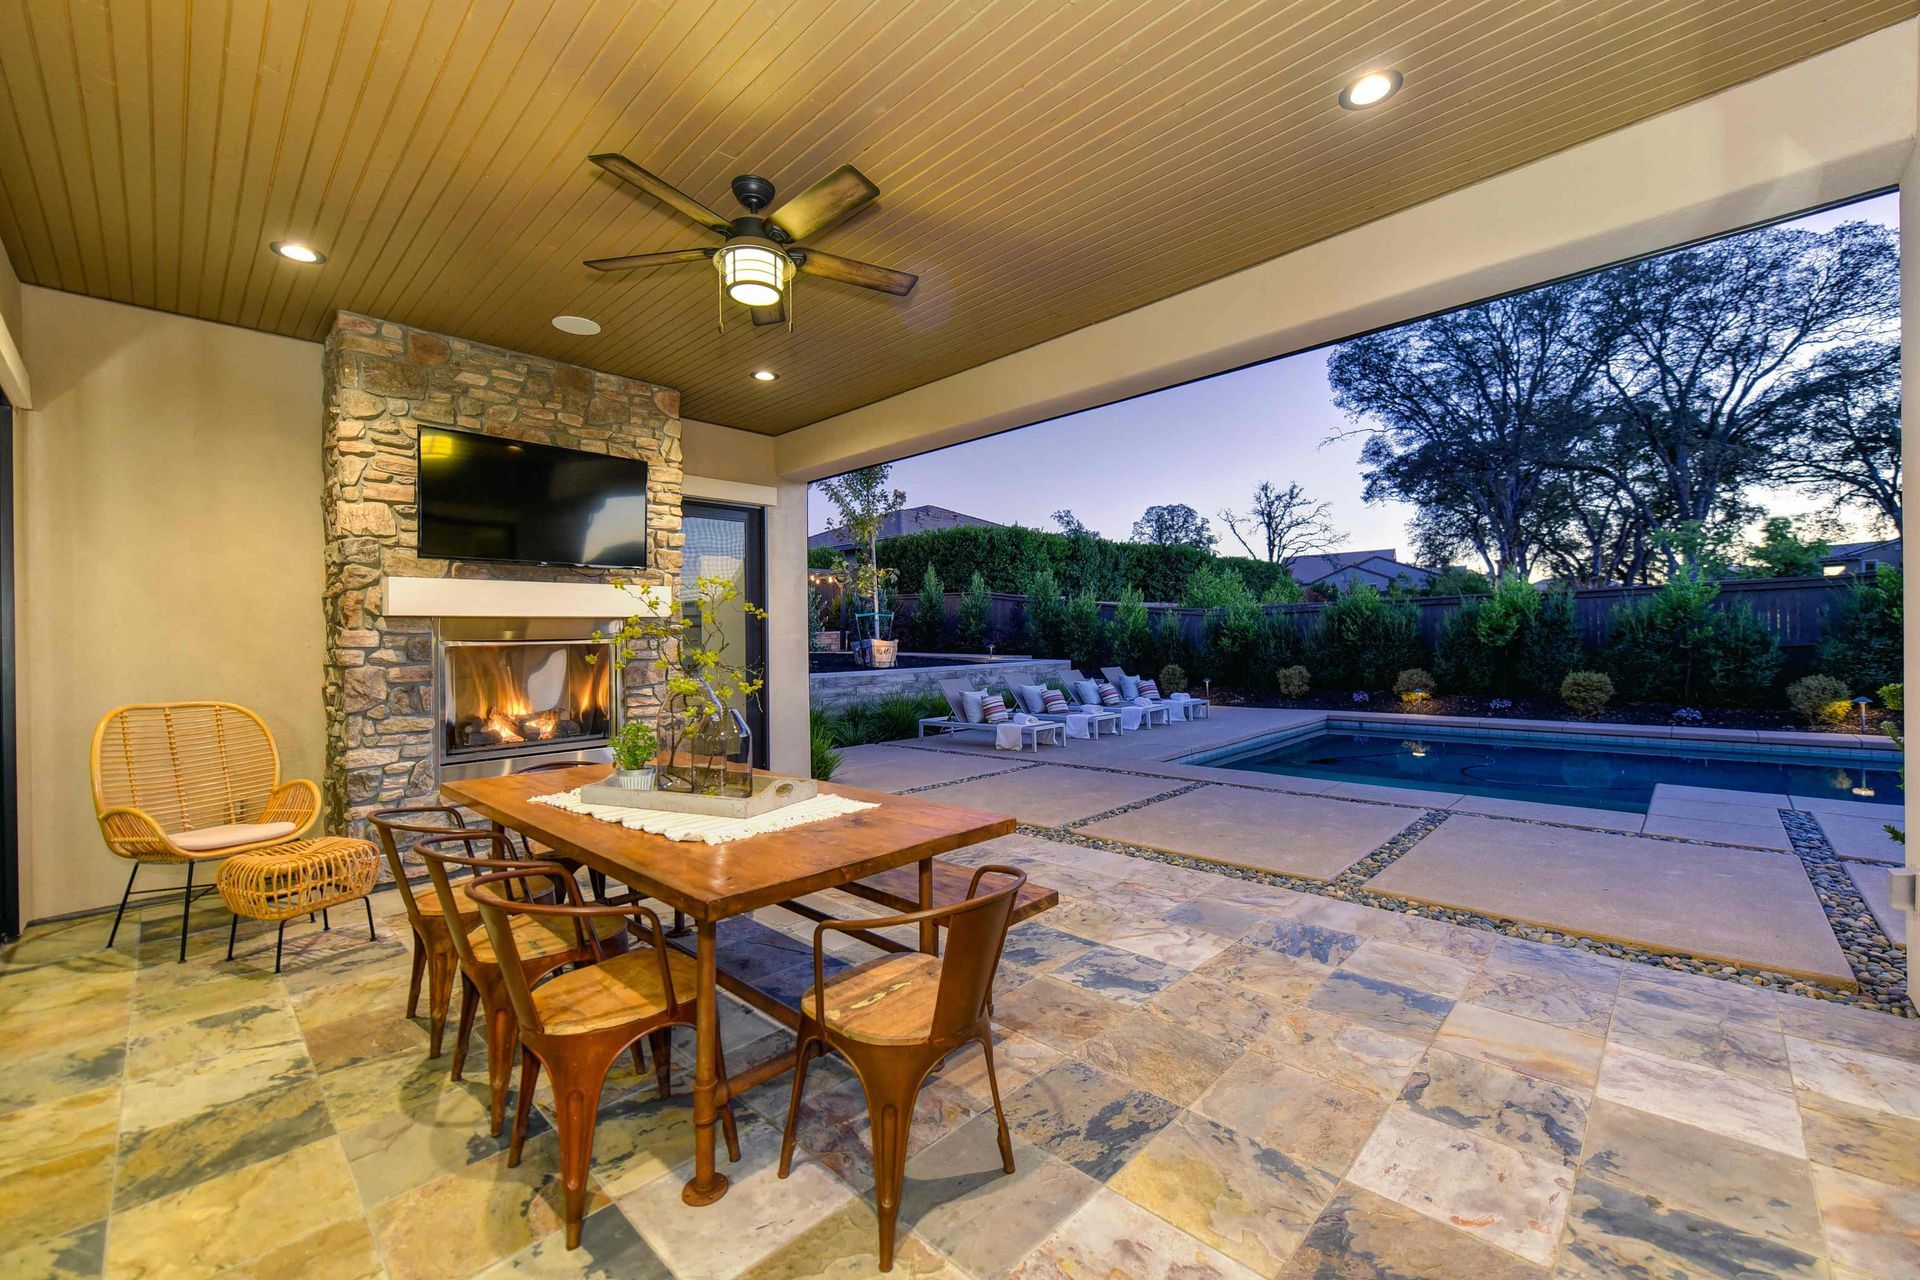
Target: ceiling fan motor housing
point(753, 191)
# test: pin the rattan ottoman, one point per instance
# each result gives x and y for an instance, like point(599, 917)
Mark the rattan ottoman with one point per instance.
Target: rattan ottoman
point(297, 879)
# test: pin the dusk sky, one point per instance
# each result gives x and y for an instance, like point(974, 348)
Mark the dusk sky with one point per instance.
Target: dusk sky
point(1206, 444)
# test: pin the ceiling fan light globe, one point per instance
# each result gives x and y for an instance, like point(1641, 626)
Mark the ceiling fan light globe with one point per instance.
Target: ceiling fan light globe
point(755, 274)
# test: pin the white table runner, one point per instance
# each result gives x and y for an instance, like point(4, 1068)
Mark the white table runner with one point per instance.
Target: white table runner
point(701, 828)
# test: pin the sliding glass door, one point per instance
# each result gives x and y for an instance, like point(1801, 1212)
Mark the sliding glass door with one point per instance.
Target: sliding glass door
point(730, 543)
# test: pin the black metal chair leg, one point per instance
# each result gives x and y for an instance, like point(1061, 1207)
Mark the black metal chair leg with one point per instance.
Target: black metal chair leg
point(279, 941)
point(186, 906)
point(233, 931)
point(368, 900)
point(326, 925)
point(123, 905)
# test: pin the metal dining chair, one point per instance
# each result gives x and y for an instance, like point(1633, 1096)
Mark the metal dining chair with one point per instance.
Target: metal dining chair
point(577, 1024)
point(896, 1018)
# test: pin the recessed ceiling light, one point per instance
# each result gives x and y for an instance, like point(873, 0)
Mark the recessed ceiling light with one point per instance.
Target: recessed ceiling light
point(764, 375)
point(1370, 90)
point(576, 324)
point(295, 252)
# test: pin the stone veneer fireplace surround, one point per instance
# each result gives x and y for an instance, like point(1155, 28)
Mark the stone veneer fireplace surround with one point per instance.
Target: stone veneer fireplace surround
point(381, 381)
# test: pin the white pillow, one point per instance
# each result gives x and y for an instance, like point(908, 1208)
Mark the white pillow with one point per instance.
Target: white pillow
point(970, 707)
point(1129, 688)
point(1033, 697)
point(1086, 693)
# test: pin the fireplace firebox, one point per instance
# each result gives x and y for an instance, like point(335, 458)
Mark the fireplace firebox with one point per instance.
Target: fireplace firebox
point(508, 693)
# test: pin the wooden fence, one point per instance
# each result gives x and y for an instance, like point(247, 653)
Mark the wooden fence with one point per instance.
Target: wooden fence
point(1792, 607)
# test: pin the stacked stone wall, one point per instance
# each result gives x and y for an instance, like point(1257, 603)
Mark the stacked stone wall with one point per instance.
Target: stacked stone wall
point(382, 381)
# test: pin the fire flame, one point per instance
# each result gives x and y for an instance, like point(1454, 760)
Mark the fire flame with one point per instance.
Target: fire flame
point(544, 725)
point(503, 727)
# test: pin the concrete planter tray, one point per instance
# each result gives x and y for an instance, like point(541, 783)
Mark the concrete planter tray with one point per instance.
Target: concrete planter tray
point(770, 792)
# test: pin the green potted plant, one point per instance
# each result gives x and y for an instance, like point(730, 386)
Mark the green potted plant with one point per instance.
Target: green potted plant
point(634, 745)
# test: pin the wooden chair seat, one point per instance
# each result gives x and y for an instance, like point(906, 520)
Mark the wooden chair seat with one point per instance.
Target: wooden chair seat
point(537, 937)
point(619, 990)
point(885, 1001)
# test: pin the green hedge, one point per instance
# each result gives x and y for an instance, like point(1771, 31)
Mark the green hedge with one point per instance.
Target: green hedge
point(1010, 555)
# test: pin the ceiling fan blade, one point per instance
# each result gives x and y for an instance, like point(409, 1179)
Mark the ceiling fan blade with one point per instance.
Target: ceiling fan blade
point(665, 259)
point(775, 314)
point(824, 203)
point(663, 191)
point(848, 271)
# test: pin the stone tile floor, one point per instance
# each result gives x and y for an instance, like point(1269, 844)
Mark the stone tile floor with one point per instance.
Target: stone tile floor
point(1206, 1077)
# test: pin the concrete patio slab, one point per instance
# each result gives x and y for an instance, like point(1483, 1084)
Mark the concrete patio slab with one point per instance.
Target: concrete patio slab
point(1754, 836)
point(1864, 837)
point(1395, 795)
point(885, 767)
point(1753, 908)
point(1051, 796)
point(1874, 887)
point(1308, 836)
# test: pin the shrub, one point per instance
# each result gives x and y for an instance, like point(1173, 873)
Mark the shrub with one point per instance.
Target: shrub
point(1130, 634)
point(1046, 616)
point(1172, 679)
point(1860, 635)
point(1517, 640)
point(1286, 591)
point(1008, 555)
point(1586, 692)
point(929, 620)
point(1892, 697)
point(1083, 632)
point(971, 631)
point(1169, 647)
point(1412, 680)
point(1294, 682)
point(820, 740)
point(1674, 647)
point(823, 558)
point(1214, 586)
point(1362, 639)
point(1236, 643)
point(1819, 699)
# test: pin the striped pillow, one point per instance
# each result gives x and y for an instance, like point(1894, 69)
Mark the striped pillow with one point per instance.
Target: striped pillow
point(1109, 696)
point(1148, 689)
point(1053, 702)
point(993, 709)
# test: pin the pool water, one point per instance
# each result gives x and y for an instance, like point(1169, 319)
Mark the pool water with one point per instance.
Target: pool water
point(1593, 775)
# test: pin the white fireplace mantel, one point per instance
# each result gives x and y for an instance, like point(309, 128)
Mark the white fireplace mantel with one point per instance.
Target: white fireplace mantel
point(495, 598)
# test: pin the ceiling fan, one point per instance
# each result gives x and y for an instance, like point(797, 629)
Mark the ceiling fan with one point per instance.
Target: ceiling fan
point(759, 255)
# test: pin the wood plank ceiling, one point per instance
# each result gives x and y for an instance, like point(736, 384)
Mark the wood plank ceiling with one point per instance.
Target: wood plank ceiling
point(1044, 164)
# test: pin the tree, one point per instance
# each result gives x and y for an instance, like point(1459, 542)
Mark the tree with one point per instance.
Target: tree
point(1847, 401)
point(1071, 525)
point(1470, 416)
point(864, 503)
point(1174, 525)
point(1046, 615)
point(1784, 554)
point(1702, 351)
point(973, 628)
point(930, 610)
point(1285, 524)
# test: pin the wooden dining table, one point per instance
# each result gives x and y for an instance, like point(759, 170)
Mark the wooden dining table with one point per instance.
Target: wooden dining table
point(711, 883)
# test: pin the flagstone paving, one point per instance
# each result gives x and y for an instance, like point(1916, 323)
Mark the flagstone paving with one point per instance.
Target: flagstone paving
point(1296, 1086)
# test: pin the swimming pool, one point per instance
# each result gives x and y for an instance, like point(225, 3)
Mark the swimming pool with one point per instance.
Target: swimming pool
point(1588, 770)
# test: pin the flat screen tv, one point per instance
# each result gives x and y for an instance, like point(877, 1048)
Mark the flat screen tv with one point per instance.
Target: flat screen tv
point(484, 498)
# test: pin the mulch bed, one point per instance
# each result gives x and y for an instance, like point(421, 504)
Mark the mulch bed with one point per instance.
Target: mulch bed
point(1460, 704)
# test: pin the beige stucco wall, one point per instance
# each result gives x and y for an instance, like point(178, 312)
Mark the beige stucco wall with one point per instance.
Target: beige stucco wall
point(13, 365)
point(169, 547)
point(1821, 130)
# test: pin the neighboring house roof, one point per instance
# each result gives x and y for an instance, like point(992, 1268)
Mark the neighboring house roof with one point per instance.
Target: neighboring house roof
point(1344, 568)
point(920, 519)
point(1846, 555)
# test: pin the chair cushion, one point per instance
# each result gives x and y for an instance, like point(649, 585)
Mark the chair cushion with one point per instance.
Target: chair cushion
point(1109, 696)
point(993, 709)
point(1087, 692)
point(885, 1001)
point(1148, 689)
point(230, 836)
point(1054, 702)
point(971, 701)
point(1129, 688)
point(1033, 697)
point(620, 989)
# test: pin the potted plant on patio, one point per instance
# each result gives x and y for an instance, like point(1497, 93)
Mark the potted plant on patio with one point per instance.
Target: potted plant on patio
point(633, 747)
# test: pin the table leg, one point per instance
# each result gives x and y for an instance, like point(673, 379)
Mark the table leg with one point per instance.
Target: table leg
point(708, 1183)
point(929, 931)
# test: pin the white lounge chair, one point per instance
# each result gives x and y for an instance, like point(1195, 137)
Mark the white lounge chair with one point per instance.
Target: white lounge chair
point(1134, 715)
point(1186, 707)
point(1097, 720)
point(1031, 731)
